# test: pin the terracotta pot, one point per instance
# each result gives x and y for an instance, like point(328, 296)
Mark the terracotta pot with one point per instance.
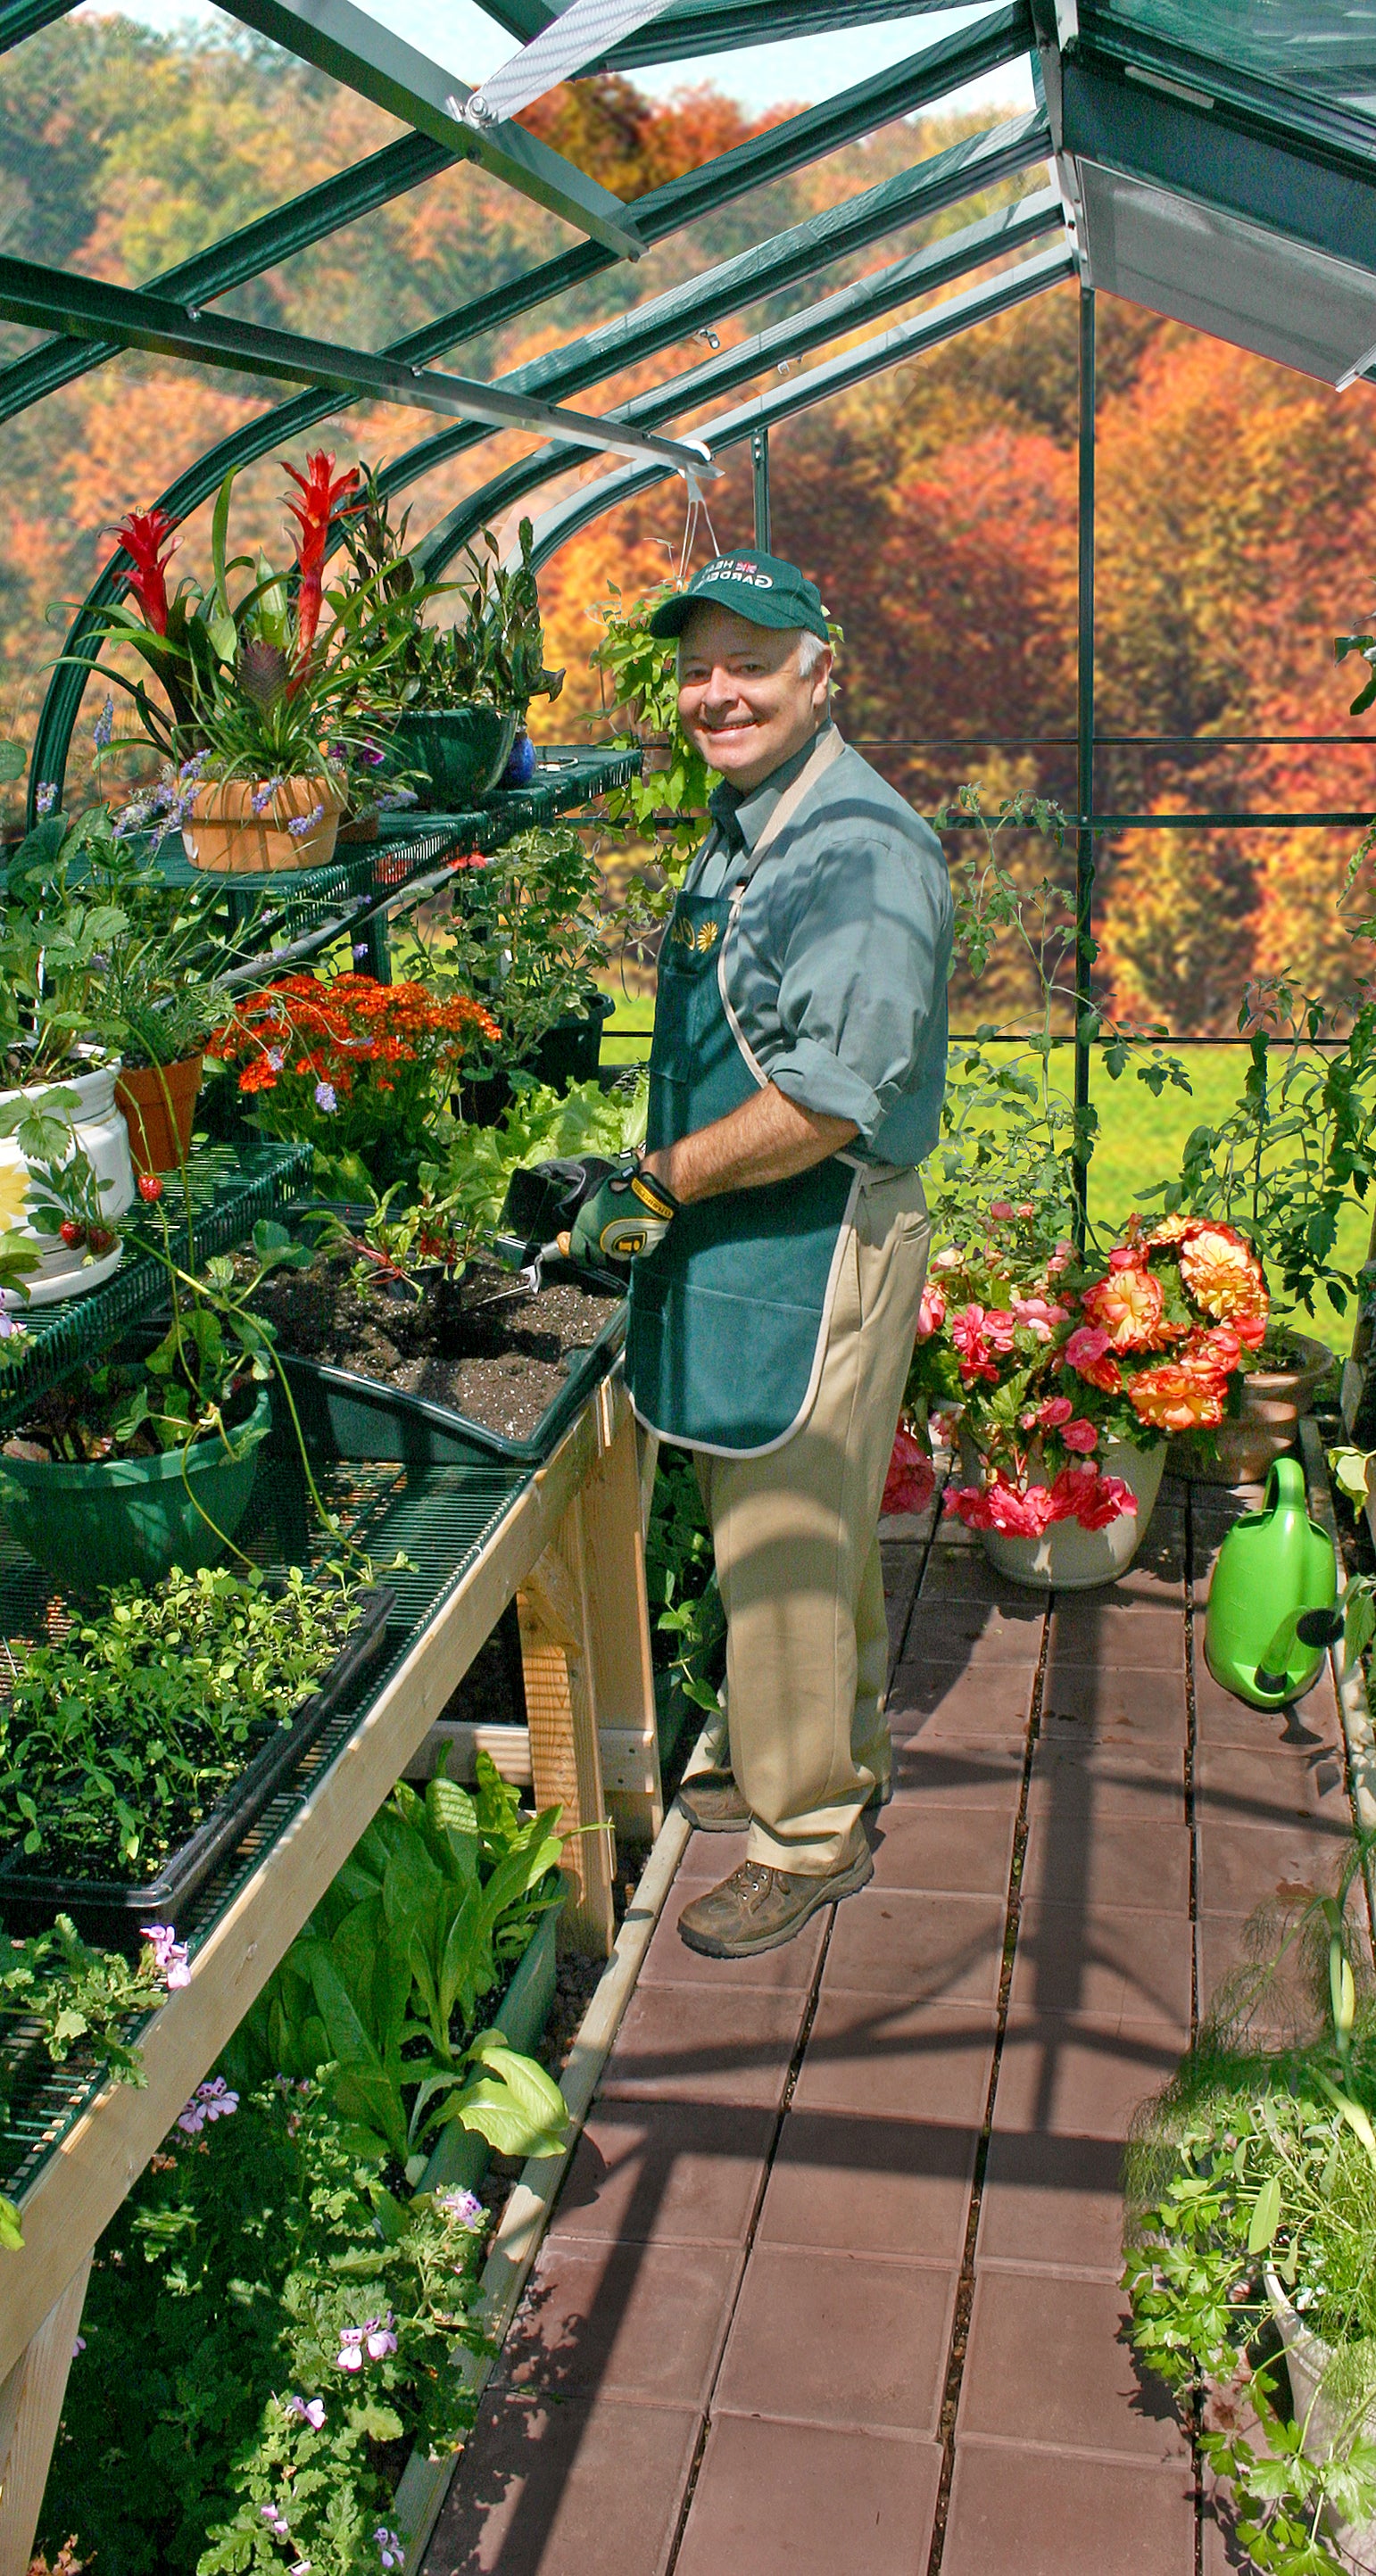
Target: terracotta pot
point(360, 827)
point(1265, 1429)
point(159, 1105)
point(1067, 1558)
point(227, 838)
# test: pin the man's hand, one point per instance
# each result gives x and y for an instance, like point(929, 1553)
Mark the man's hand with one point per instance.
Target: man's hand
point(628, 1215)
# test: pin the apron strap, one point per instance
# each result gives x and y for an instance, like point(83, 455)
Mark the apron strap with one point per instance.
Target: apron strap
point(827, 748)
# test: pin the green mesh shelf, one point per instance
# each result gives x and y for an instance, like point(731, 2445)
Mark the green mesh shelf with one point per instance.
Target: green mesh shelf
point(440, 1517)
point(231, 1188)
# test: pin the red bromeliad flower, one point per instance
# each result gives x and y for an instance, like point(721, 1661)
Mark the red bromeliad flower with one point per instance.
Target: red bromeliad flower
point(144, 535)
point(321, 491)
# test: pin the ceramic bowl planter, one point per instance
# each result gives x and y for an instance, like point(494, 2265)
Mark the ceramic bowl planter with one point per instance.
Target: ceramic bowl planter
point(103, 1137)
point(159, 1107)
point(227, 838)
point(1272, 1402)
point(459, 753)
point(1307, 2358)
point(122, 1520)
point(1067, 1558)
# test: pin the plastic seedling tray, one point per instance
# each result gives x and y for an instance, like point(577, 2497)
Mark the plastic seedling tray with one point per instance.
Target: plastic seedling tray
point(115, 1909)
point(358, 1417)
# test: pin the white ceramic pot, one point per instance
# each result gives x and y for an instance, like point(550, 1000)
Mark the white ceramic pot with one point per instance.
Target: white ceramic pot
point(1307, 2357)
point(1067, 1558)
point(63, 1269)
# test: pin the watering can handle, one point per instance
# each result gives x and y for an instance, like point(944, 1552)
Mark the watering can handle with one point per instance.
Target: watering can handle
point(1285, 1487)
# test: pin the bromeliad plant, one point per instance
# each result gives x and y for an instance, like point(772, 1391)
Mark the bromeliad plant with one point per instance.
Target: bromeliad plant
point(271, 684)
point(360, 1070)
point(1252, 2181)
point(1053, 1356)
point(380, 1993)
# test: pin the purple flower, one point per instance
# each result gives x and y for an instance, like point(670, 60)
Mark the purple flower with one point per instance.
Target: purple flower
point(10, 1325)
point(325, 1098)
point(350, 2353)
point(391, 799)
point(210, 2101)
point(378, 2337)
point(360, 952)
point(78, 2346)
point(104, 732)
point(262, 796)
point(169, 1955)
point(370, 756)
point(390, 2550)
point(308, 2410)
point(464, 2206)
point(45, 798)
point(276, 1059)
point(192, 768)
point(276, 2522)
point(301, 824)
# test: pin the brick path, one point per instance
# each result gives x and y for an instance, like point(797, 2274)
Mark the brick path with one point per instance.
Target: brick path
point(831, 2289)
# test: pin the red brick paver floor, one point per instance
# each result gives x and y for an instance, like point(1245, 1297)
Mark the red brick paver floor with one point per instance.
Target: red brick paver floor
point(832, 2285)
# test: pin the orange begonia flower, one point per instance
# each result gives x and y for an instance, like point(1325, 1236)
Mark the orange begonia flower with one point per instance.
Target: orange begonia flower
point(1126, 1306)
point(1223, 1275)
point(1176, 1397)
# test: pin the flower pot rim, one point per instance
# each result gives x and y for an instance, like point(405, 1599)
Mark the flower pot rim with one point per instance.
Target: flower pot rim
point(77, 1475)
point(129, 1074)
point(109, 1069)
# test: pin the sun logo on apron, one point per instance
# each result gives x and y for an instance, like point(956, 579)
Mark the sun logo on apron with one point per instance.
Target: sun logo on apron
point(707, 936)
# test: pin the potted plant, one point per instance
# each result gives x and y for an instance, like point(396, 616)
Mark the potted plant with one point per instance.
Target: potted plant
point(458, 693)
point(1251, 2236)
point(1068, 1370)
point(264, 692)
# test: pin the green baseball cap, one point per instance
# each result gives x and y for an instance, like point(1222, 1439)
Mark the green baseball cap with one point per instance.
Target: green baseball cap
point(761, 588)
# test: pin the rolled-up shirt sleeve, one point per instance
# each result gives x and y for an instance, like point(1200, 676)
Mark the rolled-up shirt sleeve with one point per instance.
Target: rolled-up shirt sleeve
point(864, 960)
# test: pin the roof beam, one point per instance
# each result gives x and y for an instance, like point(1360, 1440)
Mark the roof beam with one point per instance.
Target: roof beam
point(852, 367)
point(944, 180)
point(21, 18)
point(343, 41)
point(261, 245)
point(924, 272)
point(723, 26)
point(90, 308)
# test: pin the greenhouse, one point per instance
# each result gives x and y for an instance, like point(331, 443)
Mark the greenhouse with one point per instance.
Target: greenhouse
point(687, 1279)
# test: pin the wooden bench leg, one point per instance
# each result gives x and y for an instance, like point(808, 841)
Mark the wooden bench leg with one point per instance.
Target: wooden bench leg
point(565, 1760)
point(618, 1621)
point(30, 2409)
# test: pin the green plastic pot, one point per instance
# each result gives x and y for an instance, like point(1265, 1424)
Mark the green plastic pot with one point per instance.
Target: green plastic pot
point(460, 752)
point(125, 1520)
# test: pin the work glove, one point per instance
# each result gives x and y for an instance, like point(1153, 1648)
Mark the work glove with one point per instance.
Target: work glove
point(628, 1214)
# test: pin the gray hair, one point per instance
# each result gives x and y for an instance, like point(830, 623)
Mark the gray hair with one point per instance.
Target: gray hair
point(810, 647)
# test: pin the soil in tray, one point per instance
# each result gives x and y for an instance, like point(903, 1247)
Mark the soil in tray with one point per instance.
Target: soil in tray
point(501, 1365)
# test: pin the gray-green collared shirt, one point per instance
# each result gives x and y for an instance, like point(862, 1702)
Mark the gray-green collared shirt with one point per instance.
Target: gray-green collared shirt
point(836, 969)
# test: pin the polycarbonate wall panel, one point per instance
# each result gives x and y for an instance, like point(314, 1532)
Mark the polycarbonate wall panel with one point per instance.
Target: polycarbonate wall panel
point(1231, 278)
point(1326, 48)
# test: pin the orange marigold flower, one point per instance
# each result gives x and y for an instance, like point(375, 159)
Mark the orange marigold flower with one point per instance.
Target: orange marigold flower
point(1223, 1274)
point(1126, 1306)
point(1176, 1397)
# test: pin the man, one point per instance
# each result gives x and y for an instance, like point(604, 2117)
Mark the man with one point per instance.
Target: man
point(777, 1227)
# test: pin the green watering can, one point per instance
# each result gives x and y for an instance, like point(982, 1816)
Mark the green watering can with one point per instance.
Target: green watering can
point(1271, 1615)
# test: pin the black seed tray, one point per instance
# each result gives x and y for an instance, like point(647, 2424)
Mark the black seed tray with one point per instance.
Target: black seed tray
point(117, 1910)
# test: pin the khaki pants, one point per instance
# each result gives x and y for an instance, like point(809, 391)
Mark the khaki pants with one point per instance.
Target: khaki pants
point(797, 1552)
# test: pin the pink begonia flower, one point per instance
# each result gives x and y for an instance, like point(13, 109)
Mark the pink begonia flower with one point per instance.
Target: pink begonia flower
point(931, 1314)
point(1026, 1210)
point(999, 1326)
point(1086, 1346)
point(968, 1334)
point(1056, 1410)
point(1080, 1435)
point(1126, 1256)
point(1000, 1208)
point(911, 1480)
point(1038, 1316)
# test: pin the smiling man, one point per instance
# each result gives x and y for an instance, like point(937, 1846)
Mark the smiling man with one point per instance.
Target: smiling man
point(777, 1228)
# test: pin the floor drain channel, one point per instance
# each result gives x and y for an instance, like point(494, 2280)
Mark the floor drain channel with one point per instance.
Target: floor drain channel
point(965, 2288)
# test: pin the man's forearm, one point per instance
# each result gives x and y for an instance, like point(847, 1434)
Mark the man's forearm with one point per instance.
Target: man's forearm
point(768, 1138)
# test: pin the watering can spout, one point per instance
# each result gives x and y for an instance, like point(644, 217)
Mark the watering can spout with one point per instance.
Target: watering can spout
point(1272, 1614)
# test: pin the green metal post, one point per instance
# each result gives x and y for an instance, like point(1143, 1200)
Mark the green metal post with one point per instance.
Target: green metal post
point(759, 459)
point(1084, 762)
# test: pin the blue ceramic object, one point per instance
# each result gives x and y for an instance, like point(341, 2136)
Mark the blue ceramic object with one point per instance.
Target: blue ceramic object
point(520, 768)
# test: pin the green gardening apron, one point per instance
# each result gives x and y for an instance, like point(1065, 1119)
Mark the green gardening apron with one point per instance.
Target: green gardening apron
point(728, 1317)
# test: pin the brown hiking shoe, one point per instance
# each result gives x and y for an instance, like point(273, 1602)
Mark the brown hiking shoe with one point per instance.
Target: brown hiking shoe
point(713, 1803)
point(759, 1909)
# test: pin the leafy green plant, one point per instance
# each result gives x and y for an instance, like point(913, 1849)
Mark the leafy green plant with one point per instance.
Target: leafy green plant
point(191, 1386)
point(681, 1582)
point(380, 1992)
point(57, 1994)
point(526, 935)
point(117, 1740)
point(1261, 2158)
point(639, 674)
point(493, 654)
point(267, 2329)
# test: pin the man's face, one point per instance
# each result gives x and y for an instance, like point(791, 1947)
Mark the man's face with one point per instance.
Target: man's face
point(742, 699)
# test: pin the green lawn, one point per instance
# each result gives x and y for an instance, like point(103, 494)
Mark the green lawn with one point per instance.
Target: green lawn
point(1140, 1139)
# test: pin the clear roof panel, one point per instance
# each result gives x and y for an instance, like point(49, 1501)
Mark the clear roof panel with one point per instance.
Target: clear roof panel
point(1324, 47)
